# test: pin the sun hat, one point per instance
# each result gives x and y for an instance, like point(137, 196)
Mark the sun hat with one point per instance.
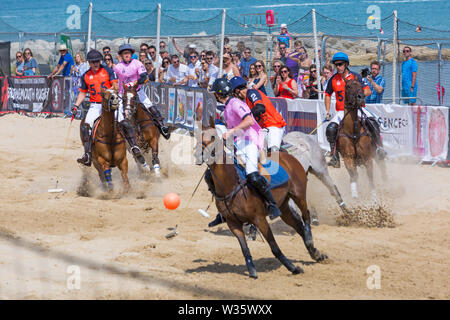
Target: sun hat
point(62, 47)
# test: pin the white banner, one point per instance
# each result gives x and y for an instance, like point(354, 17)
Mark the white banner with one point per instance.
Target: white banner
point(396, 125)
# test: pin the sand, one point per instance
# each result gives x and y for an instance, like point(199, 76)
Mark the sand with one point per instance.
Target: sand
point(67, 246)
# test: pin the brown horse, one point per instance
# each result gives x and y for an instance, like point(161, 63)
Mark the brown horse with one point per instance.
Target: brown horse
point(354, 141)
point(147, 133)
point(240, 204)
point(108, 145)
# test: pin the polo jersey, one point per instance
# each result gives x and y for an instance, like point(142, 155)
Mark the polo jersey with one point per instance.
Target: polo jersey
point(95, 82)
point(336, 84)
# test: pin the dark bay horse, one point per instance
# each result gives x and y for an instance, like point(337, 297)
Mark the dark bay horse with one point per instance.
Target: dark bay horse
point(354, 141)
point(240, 204)
point(108, 145)
point(147, 133)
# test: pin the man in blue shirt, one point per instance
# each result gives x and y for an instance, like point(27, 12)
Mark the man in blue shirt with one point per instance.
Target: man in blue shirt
point(246, 61)
point(376, 83)
point(65, 63)
point(409, 74)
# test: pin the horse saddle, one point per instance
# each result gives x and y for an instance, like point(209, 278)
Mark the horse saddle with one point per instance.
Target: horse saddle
point(271, 170)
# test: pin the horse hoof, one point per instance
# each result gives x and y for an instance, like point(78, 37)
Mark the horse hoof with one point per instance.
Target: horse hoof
point(297, 270)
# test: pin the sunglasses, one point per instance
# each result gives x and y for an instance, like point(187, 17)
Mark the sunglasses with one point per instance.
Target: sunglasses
point(106, 52)
point(276, 67)
point(209, 58)
point(27, 53)
point(164, 62)
point(258, 66)
point(248, 52)
point(148, 64)
point(18, 56)
point(108, 60)
point(313, 70)
point(339, 64)
point(192, 57)
point(285, 71)
point(404, 51)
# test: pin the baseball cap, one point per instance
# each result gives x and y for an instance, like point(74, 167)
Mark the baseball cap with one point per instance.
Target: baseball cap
point(192, 46)
point(283, 25)
point(62, 47)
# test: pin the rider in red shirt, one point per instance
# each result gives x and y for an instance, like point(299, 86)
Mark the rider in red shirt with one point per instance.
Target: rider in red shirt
point(263, 110)
point(336, 84)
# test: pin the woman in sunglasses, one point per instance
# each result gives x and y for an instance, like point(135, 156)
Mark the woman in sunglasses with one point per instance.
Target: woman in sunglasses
point(19, 63)
point(163, 78)
point(109, 60)
point(276, 66)
point(260, 81)
point(285, 86)
point(150, 70)
point(30, 65)
point(229, 68)
point(312, 91)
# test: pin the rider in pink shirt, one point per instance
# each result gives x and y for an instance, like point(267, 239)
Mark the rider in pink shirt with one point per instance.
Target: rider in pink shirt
point(249, 140)
point(129, 71)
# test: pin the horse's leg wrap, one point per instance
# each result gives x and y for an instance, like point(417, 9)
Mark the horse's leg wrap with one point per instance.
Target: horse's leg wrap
point(261, 184)
point(155, 159)
point(331, 133)
point(130, 136)
point(159, 121)
point(108, 178)
point(86, 137)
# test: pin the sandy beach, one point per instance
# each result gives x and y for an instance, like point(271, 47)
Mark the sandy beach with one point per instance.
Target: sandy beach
point(102, 246)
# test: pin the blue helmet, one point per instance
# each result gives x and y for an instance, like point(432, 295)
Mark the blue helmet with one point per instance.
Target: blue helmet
point(237, 82)
point(124, 47)
point(340, 56)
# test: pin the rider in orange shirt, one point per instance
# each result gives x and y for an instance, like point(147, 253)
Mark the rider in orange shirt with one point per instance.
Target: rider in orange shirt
point(336, 84)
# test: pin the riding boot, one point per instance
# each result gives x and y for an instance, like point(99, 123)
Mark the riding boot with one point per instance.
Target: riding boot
point(159, 122)
point(218, 220)
point(86, 137)
point(128, 131)
point(261, 184)
point(209, 181)
point(335, 160)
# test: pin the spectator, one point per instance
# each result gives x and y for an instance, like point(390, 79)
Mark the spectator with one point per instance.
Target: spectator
point(106, 50)
point(164, 54)
point(312, 86)
point(246, 61)
point(177, 72)
point(30, 64)
point(251, 76)
point(236, 58)
point(162, 46)
point(79, 68)
point(229, 69)
point(144, 47)
point(108, 59)
point(202, 55)
point(162, 73)
point(293, 58)
point(284, 36)
point(186, 52)
point(303, 71)
point(327, 73)
point(261, 80)
point(376, 83)
point(213, 71)
point(151, 70)
point(156, 60)
point(65, 63)
point(226, 41)
point(241, 47)
point(142, 56)
point(203, 78)
point(194, 69)
point(409, 77)
point(19, 63)
point(276, 66)
point(328, 57)
point(227, 49)
point(282, 53)
point(285, 86)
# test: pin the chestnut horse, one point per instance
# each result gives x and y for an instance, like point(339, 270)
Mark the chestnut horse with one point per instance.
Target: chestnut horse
point(147, 134)
point(354, 141)
point(240, 204)
point(108, 145)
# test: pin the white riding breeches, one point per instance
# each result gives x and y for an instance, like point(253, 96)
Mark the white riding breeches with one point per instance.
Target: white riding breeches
point(339, 115)
point(249, 153)
point(274, 135)
point(95, 110)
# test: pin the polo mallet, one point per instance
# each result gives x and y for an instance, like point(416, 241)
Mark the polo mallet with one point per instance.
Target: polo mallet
point(56, 189)
point(325, 120)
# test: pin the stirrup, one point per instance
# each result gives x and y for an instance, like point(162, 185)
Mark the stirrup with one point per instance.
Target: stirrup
point(165, 132)
point(274, 211)
point(218, 220)
point(381, 153)
point(334, 162)
point(85, 159)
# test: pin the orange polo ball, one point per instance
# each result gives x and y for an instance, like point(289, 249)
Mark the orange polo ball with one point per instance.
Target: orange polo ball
point(171, 201)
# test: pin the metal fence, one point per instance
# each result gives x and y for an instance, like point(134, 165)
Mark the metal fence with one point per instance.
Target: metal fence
point(363, 43)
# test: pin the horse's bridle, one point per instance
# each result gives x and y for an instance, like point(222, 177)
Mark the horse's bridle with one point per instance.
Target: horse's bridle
point(113, 101)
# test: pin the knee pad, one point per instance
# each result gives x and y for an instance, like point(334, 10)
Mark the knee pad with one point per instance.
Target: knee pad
point(85, 132)
point(331, 132)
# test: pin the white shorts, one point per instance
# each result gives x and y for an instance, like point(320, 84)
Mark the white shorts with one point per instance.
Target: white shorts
point(249, 153)
point(95, 110)
point(339, 115)
point(274, 135)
